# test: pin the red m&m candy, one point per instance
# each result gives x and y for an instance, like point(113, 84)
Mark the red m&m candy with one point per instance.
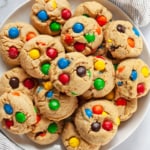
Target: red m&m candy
point(68, 39)
point(66, 14)
point(52, 53)
point(29, 83)
point(13, 52)
point(64, 78)
point(140, 88)
point(107, 125)
point(79, 46)
point(9, 123)
point(121, 102)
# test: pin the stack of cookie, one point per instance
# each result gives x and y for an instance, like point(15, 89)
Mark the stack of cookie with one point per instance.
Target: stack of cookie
point(73, 75)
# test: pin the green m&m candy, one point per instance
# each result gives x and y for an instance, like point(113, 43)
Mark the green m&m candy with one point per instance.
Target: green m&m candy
point(20, 117)
point(99, 84)
point(90, 37)
point(52, 128)
point(55, 26)
point(45, 68)
point(54, 104)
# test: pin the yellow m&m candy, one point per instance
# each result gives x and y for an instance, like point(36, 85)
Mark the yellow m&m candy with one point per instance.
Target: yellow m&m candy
point(99, 65)
point(53, 4)
point(34, 53)
point(145, 71)
point(110, 96)
point(47, 85)
point(74, 142)
point(118, 121)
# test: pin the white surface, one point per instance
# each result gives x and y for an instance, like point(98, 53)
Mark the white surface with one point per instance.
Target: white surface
point(140, 139)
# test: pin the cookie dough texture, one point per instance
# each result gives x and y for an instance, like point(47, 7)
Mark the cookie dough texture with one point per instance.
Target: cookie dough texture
point(86, 40)
point(70, 132)
point(17, 79)
point(126, 107)
point(123, 40)
point(84, 121)
point(133, 78)
point(26, 32)
point(40, 133)
point(34, 55)
point(20, 103)
point(103, 78)
point(79, 72)
point(95, 10)
point(65, 105)
point(53, 10)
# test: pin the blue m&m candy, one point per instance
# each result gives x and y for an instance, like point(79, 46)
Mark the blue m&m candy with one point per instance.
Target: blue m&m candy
point(63, 63)
point(133, 75)
point(88, 112)
point(49, 94)
point(120, 83)
point(13, 32)
point(78, 27)
point(8, 109)
point(42, 15)
point(136, 32)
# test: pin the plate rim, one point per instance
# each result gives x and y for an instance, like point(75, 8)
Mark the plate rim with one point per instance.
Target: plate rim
point(128, 19)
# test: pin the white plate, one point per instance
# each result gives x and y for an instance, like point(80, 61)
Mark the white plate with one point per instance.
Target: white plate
point(126, 129)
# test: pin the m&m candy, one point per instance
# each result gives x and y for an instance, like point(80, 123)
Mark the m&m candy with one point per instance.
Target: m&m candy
point(8, 123)
point(88, 112)
point(20, 117)
point(13, 52)
point(136, 32)
point(49, 94)
point(8, 109)
point(29, 83)
point(55, 26)
point(42, 15)
point(78, 27)
point(99, 84)
point(81, 71)
point(52, 128)
point(79, 46)
point(54, 104)
point(65, 14)
point(95, 126)
point(34, 53)
point(133, 75)
point(97, 109)
point(63, 63)
point(14, 82)
point(52, 53)
point(90, 37)
point(13, 32)
point(74, 142)
point(107, 125)
point(101, 20)
point(64, 78)
point(45, 68)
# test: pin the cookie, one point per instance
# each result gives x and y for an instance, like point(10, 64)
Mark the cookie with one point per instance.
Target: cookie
point(72, 140)
point(17, 112)
point(81, 34)
point(103, 78)
point(53, 104)
point(48, 16)
point(97, 121)
point(17, 79)
point(37, 54)
point(72, 73)
point(45, 132)
point(126, 107)
point(133, 78)
point(13, 36)
point(95, 10)
point(123, 40)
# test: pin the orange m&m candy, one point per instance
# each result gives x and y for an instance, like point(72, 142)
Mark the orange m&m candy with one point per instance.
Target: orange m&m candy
point(97, 109)
point(131, 42)
point(30, 35)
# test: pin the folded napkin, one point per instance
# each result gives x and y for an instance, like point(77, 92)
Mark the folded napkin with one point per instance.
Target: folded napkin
point(138, 10)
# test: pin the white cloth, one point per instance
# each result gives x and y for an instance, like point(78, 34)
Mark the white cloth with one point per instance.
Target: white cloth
point(138, 10)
